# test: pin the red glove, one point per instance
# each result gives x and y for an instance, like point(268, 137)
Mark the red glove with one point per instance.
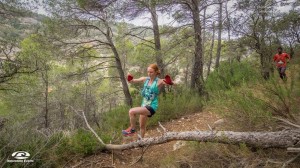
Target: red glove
point(129, 77)
point(168, 80)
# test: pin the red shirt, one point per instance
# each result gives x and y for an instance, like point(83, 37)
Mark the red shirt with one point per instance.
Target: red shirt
point(280, 59)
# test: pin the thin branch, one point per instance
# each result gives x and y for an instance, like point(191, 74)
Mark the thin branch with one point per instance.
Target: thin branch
point(91, 129)
point(141, 27)
point(89, 25)
point(136, 36)
point(147, 45)
point(165, 130)
point(89, 70)
point(290, 161)
point(84, 42)
point(297, 150)
point(287, 122)
point(7, 89)
point(141, 157)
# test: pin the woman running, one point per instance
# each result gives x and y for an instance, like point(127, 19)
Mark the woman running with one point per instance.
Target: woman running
point(150, 92)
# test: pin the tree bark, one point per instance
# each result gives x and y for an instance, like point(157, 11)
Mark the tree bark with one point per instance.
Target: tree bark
point(197, 71)
point(204, 31)
point(46, 81)
point(264, 55)
point(128, 98)
point(211, 50)
point(219, 38)
point(158, 55)
point(186, 72)
point(228, 20)
point(229, 35)
point(62, 115)
point(280, 139)
point(291, 49)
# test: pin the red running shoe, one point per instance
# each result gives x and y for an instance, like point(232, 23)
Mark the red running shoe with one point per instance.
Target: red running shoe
point(128, 132)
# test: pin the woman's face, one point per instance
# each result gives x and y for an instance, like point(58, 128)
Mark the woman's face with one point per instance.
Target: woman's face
point(151, 72)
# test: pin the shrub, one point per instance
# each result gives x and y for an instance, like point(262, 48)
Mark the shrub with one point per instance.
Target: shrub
point(20, 137)
point(282, 97)
point(243, 108)
point(84, 142)
point(173, 106)
point(231, 75)
point(112, 122)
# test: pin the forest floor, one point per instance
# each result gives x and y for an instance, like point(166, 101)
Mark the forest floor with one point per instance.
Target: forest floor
point(179, 154)
point(153, 154)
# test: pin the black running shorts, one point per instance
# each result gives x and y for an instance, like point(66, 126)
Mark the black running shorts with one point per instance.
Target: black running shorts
point(152, 111)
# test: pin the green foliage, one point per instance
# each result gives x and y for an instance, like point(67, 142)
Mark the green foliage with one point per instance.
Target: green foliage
point(282, 97)
point(254, 106)
point(18, 137)
point(46, 151)
point(173, 106)
point(82, 3)
point(36, 51)
point(4, 108)
point(199, 154)
point(231, 75)
point(84, 142)
point(169, 161)
point(112, 122)
point(244, 109)
point(22, 102)
point(143, 55)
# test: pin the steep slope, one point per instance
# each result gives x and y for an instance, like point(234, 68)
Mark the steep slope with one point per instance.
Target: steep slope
point(195, 154)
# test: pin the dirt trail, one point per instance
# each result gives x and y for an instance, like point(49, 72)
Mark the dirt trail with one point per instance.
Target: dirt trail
point(153, 154)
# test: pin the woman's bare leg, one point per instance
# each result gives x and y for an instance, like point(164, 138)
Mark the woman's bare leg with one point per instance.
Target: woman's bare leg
point(143, 121)
point(134, 111)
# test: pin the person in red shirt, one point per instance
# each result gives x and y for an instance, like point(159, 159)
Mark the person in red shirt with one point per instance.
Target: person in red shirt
point(281, 59)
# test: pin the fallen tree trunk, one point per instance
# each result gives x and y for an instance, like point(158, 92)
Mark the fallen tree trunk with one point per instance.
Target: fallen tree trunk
point(280, 139)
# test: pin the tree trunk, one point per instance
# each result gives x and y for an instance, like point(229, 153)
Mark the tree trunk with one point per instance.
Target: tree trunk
point(280, 139)
point(204, 32)
point(62, 115)
point(264, 55)
point(45, 79)
point(186, 73)
point(219, 38)
point(158, 54)
point(211, 50)
point(86, 95)
point(197, 71)
point(228, 20)
point(291, 49)
point(229, 35)
point(128, 98)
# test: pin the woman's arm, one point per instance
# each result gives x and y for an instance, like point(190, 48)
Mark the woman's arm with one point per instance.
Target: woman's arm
point(139, 80)
point(161, 83)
